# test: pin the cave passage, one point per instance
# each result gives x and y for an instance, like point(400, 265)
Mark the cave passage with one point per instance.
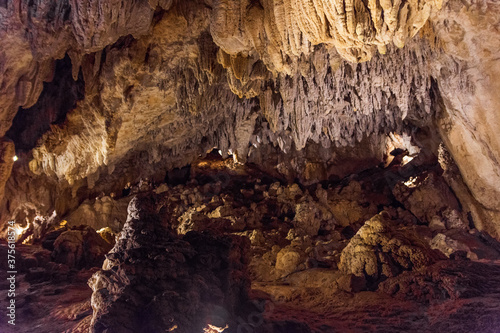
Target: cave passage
point(58, 97)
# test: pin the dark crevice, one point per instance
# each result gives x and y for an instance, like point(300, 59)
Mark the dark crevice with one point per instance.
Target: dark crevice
point(57, 98)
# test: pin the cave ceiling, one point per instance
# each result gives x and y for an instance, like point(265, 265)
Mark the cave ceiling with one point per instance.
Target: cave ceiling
point(98, 94)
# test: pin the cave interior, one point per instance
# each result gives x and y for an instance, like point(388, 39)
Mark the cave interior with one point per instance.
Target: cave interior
point(250, 166)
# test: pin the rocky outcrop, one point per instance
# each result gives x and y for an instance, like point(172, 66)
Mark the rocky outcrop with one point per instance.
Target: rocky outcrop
point(147, 90)
point(361, 193)
point(428, 197)
point(166, 282)
point(80, 247)
point(472, 245)
point(102, 212)
point(379, 250)
point(467, 86)
point(444, 280)
point(233, 246)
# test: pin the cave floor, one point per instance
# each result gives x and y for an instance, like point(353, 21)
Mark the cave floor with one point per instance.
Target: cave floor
point(330, 310)
point(64, 306)
point(357, 255)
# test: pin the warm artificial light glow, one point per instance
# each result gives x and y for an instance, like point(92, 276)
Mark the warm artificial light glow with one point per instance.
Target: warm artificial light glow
point(406, 160)
point(19, 231)
point(15, 158)
point(61, 225)
point(28, 240)
point(411, 182)
point(214, 329)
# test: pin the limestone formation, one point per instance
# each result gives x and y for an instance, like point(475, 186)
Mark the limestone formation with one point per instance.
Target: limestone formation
point(180, 284)
point(378, 251)
point(188, 252)
point(297, 165)
point(80, 247)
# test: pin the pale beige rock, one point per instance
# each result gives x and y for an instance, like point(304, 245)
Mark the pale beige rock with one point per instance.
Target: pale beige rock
point(100, 213)
point(377, 251)
point(469, 36)
point(287, 261)
point(171, 90)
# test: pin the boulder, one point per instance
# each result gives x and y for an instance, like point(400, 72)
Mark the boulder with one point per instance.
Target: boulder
point(288, 260)
point(474, 245)
point(426, 196)
point(382, 248)
point(307, 219)
point(80, 247)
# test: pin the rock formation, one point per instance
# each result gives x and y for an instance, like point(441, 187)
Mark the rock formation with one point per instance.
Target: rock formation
point(352, 142)
point(233, 249)
point(180, 285)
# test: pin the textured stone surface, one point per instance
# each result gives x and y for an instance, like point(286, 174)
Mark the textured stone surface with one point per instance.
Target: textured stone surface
point(153, 87)
point(426, 196)
point(379, 250)
point(80, 247)
point(182, 284)
point(103, 212)
point(102, 99)
point(246, 231)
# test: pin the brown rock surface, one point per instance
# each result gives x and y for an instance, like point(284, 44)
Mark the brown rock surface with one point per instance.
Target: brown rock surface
point(80, 247)
point(182, 284)
point(152, 87)
point(154, 279)
point(331, 112)
point(380, 250)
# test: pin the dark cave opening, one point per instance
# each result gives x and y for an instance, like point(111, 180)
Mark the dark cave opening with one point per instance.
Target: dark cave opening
point(57, 98)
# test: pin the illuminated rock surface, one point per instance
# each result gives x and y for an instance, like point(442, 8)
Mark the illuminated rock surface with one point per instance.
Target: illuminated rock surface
point(365, 157)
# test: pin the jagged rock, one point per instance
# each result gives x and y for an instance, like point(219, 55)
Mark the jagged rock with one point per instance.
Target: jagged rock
point(380, 250)
point(455, 219)
point(436, 223)
point(306, 220)
point(348, 212)
point(173, 283)
point(444, 280)
point(111, 96)
point(349, 205)
point(473, 246)
point(80, 247)
point(153, 88)
point(425, 196)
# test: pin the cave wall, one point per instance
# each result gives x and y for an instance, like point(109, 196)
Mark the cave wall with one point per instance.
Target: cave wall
point(167, 81)
point(467, 83)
